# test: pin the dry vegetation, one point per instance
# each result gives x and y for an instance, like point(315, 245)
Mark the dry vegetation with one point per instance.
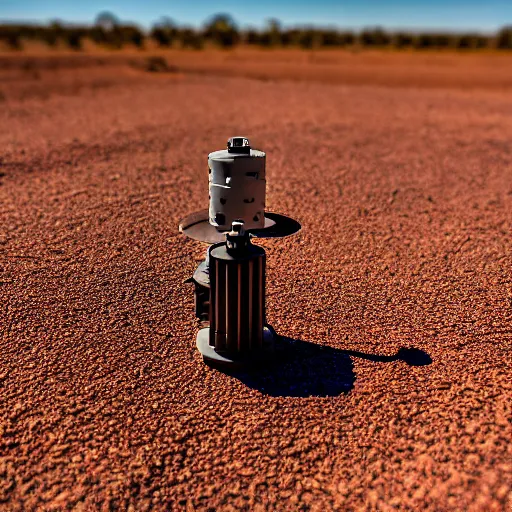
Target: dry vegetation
point(222, 31)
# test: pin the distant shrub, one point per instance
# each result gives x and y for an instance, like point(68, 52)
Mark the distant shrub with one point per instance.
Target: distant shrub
point(347, 38)
point(132, 35)
point(504, 38)
point(222, 30)
point(155, 64)
point(290, 37)
point(251, 36)
point(471, 41)
point(271, 35)
point(443, 40)
point(14, 41)
point(11, 36)
point(165, 32)
point(402, 40)
point(309, 38)
point(107, 21)
point(190, 38)
point(158, 65)
point(330, 38)
point(425, 41)
point(98, 35)
point(374, 37)
point(51, 35)
point(109, 31)
point(160, 36)
point(73, 38)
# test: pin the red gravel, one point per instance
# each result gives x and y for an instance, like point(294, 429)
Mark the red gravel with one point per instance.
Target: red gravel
point(405, 198)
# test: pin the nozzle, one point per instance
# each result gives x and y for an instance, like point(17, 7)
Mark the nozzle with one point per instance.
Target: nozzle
point(237, 239)
point(239, 145)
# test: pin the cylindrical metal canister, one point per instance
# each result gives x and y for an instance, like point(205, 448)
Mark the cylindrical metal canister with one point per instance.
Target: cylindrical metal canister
point(237, 188)
point(237, 299)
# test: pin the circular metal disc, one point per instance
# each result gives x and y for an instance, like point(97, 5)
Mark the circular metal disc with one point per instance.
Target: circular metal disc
point(197, 226)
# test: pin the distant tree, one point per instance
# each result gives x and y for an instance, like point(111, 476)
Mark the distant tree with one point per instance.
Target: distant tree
point(443, 40)
point(424, 41)
point(330, 37)
point(190, 38)
point(107, 30)
point(374, 37)
point(98, 34)
point(471, 41)
point(290, 37)
point(504, 38)
point(164, 32)
point(251, 36)
point(483, 41)
point(167, 22)
point(264, 39)
point(14, 41)
point(106, 20)
point(273, 32)
point(402, 40)
point(429, 40)
point(51, 34)
point(308, 38)
point(160, 36)
point(25, 31)
point(12, 37)
point(222, 30)
point(346, 38)
point(73, 38)
point(137, 37)
point(130, 34)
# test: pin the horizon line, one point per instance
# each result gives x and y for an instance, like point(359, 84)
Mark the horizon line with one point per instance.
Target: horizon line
point(245, 26)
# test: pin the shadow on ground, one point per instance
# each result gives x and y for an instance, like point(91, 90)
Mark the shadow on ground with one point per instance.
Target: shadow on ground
point(303, 369)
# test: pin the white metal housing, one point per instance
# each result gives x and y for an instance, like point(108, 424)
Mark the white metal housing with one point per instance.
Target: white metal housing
point(237, 189)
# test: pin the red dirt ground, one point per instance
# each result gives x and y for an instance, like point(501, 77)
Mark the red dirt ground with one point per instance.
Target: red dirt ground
point(405, 198)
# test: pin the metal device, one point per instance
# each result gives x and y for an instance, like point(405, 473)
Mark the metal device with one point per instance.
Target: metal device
point(230, 283)
point(237, 185)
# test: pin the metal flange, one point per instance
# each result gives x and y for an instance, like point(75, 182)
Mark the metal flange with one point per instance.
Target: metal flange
point(234, 361)
point(197, 226)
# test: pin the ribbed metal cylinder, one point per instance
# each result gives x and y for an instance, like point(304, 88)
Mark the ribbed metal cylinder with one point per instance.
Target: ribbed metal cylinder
point(237, 299)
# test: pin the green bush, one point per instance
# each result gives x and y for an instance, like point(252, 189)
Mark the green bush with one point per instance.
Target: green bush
point(164, 33)
point(222, 30)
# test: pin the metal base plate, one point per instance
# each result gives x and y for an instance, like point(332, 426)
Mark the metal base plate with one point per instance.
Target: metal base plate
point(213, 358)
point(197, 226)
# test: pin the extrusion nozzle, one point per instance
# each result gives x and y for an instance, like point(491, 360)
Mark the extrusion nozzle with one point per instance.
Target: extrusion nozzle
point(239, 145)
point(237, 239)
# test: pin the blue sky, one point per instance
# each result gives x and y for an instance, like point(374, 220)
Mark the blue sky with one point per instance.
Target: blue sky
point(427, 14)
